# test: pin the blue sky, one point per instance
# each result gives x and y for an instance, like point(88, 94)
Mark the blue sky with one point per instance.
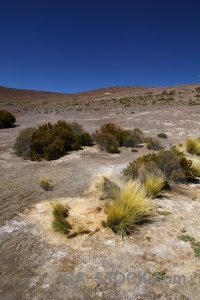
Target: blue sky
point(76, 45)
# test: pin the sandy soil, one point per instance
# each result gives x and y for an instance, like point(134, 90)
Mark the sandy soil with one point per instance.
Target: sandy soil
point(34, 258)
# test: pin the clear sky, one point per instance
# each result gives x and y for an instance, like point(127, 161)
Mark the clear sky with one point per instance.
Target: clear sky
point(77, 45)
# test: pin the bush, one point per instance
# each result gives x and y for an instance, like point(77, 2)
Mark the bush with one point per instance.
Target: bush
point(129, 209)
point(22, 143)
point(83, 138)
point(133, 138)
point(192, 146)
point(112, 136)
point(51, 141)
point(152, 143)
point(173, 165)
point(105, 141)
point(162, 135)
point(6, 119)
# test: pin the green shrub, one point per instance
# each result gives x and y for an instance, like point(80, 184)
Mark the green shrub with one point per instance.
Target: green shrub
point(51, 141)
point(162, 135)
point(129, 209)
point(83, 138)
point(22, 143)
point(133, 138)
point(111, 135)
point(152, 143)
point(6, 119)
point(173, 165)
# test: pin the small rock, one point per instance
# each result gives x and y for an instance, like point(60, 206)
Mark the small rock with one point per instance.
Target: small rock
point(100, 294)
point(18, 247)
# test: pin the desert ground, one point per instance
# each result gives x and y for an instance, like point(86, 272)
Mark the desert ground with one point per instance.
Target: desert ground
point(34, 258)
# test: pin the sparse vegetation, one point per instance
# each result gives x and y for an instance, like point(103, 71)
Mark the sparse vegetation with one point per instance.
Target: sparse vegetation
point(194, 244)
point(162, 135)
point(6, 119)
point(22, 143)
point(130, 208)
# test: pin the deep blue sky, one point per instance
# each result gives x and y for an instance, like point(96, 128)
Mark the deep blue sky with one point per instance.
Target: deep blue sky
point(77, 45)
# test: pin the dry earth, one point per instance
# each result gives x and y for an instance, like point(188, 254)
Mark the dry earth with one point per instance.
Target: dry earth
point(34, 258)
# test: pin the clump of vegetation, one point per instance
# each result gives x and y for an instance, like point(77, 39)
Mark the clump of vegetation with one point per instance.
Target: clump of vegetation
point(153, 180)
point(110, 188)
point(111, 136)
point(130, 208)
point(196, 165)
point(6, 119)
point(173, 165)
point(22, 143)
point(51, 141)
point(133, 138)
point(194, 244)
point(134, 150)
point(193, 146)
point(152, 143)
point(59, 223)
point(162, 135)
point(45, 183)
point(159, 275)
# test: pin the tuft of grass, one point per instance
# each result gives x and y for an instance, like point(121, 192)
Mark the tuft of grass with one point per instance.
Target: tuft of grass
point(134, 150)
point(130, 208)
point(45, 183)
point(162, 135)
point(192, 146)
point(194, 244)
point(164, 212)
point(60, 210)
point(113, 150)
point(153, 184)
point(61, 225)
point(196, 165)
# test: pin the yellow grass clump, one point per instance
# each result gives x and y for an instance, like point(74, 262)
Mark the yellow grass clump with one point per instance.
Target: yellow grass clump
point(130, 208)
